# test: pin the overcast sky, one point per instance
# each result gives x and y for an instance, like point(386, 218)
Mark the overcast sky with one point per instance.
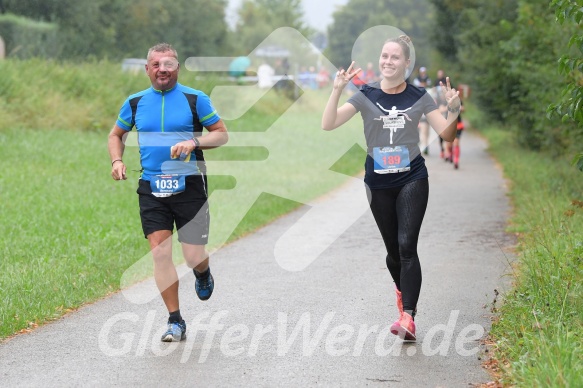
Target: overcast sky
point(318, 13)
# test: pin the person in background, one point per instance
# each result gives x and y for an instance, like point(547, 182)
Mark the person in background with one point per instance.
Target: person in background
point(312, 80)
point(440, 102)
point(304, 77)
point(423, 81)
point(359, 81)
point(440, 77)
point(282, 67)
point(265, 75)
point(370, 74)
point(323, 77)
point(450, 151)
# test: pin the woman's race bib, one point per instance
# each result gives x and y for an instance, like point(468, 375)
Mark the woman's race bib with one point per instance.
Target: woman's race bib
point(390, 160)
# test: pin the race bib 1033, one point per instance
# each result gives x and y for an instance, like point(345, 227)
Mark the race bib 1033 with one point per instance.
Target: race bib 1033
point(166, 185)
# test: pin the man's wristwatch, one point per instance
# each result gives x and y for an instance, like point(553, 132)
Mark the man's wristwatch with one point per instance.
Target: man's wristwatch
point(196, 143)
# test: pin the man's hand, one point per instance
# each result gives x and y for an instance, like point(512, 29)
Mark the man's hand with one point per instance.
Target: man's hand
point(182, 150)
point(115, 145)
point(118, 170)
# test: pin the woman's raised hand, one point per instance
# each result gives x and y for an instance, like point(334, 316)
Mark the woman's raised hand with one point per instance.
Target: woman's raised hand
point(451, 95)
point(343, 77)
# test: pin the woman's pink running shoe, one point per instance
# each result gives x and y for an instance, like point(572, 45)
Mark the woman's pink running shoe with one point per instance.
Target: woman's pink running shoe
point(404, 327)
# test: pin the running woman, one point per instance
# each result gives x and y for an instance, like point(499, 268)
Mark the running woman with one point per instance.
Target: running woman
point(395, 172)
point(452, 150)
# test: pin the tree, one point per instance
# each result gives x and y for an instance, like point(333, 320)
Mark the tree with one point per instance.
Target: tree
point(571, 66)
point(446, 22)
point(45, 10)
point(197, 27)
point(120, 28)
point(251, 28)
point(530, 54)
point(90, 28)
point(274, 25)
point(259, 18)
point(357, 16)
point(469, 40)
point(193, 27)
point(507, 50)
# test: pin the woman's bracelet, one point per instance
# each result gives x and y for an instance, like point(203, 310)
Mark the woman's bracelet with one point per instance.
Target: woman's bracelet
point(457, 110)
point(117, 160)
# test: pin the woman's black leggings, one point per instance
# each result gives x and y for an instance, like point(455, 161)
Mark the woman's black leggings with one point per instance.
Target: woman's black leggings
point(398, 213)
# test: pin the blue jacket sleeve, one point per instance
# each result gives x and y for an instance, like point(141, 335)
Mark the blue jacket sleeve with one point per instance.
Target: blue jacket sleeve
point(124, 120)
point(207, 114)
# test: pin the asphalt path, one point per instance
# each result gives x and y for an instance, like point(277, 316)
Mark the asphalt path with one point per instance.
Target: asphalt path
point(324, 325)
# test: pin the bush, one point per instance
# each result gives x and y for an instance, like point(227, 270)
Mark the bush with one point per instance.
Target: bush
point(26, 38)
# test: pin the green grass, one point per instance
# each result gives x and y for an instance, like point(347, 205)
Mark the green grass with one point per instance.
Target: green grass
point(52, 95)
point(539, 333)
point(69, 232)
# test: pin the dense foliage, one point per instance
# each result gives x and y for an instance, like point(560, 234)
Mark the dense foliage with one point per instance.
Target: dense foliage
point(571, 66)
point(259, 18)
point(118, 29)
point(28, 38)
point(412, 17)
point(508, 51)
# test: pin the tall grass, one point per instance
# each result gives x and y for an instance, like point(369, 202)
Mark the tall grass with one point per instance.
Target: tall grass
point(539, 333)
point(63, 95)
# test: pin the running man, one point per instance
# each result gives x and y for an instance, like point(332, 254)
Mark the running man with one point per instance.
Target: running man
point(169, 118)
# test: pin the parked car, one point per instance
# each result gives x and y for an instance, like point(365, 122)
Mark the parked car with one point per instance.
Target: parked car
point(133, 65)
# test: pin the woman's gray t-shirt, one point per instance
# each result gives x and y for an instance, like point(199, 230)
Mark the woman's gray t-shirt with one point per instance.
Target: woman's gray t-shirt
point(391, 126)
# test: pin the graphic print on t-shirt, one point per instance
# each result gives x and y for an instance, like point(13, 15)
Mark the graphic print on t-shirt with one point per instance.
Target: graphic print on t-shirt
point(394, 119)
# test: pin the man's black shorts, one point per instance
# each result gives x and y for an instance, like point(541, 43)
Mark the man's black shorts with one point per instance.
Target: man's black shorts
point(188, 210)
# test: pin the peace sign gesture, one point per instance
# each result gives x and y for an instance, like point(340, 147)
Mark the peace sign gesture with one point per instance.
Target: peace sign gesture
point(343, 77)
point(451, 95)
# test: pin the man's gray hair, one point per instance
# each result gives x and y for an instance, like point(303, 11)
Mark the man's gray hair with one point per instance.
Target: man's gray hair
point(162, 48)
